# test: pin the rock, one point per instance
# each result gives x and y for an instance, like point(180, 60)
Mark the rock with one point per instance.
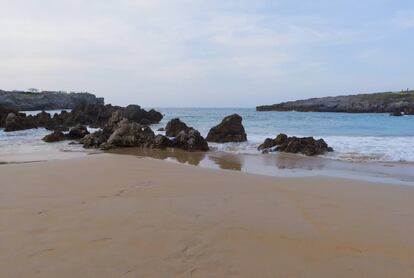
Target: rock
point(130, 134)
point(397, 114)
point(55, 136)
point(306, 145)
point(387, 102)
point(94, 140)
point(271, 143)
point(20, 121)
point(174, 127)
point(161, 142)
point(29, 101)
point(4, 112)
point(190, 140)
point(43, 119)
point(136, 114)
point(229, 130)
point(78, 132)
point(161, 129)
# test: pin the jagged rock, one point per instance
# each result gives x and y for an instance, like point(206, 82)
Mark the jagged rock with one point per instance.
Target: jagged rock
point(229, 130)
point(271, 143)
point(307, 145)
point(174, 127)
point(20, 121)
point(55, 136)
point(94, 140)
point(190, 140)
point(4, 112)
point(78, 132)
point(161, 142)
point(130, 135)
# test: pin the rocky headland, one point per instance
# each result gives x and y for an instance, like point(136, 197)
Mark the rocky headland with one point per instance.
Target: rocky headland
point(45, 100)
point(390, 102)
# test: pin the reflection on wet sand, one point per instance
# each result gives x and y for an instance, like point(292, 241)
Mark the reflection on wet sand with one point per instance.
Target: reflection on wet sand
point(227, 161)
point(282, 165)
point(192, 158)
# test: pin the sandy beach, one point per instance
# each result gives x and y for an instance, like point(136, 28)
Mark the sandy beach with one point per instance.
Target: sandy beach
point(121, 216)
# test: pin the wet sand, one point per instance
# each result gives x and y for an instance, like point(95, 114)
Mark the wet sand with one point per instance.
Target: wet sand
point(124, 216)
point(285, 165)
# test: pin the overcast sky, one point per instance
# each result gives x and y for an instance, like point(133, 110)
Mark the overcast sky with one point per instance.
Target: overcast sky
point(207, 52)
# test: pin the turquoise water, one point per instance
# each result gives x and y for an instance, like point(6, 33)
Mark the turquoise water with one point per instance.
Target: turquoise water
point(355, 137)
point(359, 137)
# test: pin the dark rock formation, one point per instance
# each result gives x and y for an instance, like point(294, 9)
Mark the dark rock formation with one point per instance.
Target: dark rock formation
point(19, 121)
point(29, 101)
point(120, 132)
point(271, 143)
point(161, 142)
point(307, 145)
point(94, 115)
point(94, 140)
point(190, 140)
point(363, 103)
point(77, 132)
point(174, 127)
point(4, 112)
point(55, 136)
point(229, 130)
point(129, 134)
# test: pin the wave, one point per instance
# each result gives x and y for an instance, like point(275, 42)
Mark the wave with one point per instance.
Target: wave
point(347, 148)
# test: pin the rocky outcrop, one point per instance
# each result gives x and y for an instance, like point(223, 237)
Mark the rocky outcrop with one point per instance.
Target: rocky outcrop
point(174, 127)
point(119, 132)
point(19, 121)
point(306, 145)
point(76, 133)
point(95, 115)
point(229, 130)
point(47, 100)
point(55, 136)
point(129, 134)
point(190, 140)
point(389, 102)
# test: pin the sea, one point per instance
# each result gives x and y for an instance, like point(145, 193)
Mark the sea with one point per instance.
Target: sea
point(362, 139)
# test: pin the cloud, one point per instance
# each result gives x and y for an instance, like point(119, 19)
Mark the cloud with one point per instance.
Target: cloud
point(171, 53)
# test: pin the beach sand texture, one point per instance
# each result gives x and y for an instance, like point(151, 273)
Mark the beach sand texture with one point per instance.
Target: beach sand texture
point(112, 215)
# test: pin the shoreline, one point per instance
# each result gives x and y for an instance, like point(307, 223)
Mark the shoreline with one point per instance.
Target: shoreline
point(116, 215)
point(274, 164)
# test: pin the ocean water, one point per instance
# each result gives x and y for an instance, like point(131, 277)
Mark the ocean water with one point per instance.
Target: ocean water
point(355, 137)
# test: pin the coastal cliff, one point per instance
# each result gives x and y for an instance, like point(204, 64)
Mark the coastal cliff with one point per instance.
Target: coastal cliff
point(388, 102)
point(46, 100)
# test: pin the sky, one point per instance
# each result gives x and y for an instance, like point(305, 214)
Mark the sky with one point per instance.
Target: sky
point(207, 53)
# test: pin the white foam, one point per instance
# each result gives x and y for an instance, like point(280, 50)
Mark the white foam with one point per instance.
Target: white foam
point(385, 149)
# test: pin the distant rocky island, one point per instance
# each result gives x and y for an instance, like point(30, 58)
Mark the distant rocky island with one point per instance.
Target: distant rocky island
point(388, 102)
point(45, 100)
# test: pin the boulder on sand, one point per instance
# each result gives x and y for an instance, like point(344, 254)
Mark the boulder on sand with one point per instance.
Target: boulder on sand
point(174, 127)
point(306, 145)
point(229, 130)
point(190, 140)
point(55, 136)
point(78, 132)
point(129, 134)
